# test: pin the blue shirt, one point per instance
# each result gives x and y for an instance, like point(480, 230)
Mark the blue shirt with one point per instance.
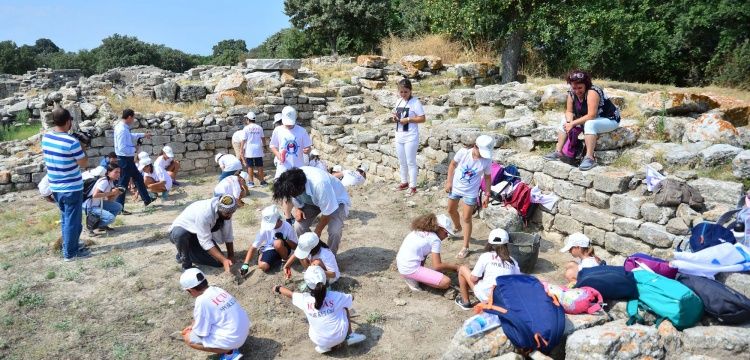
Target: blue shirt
point(104, 162)
point(124, 140)
point(61, 152)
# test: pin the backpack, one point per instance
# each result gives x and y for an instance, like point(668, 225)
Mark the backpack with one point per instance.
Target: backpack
point(612, 282)
point(705, 235)
point(495, 178)
point(88, 185)
point(584, 300)
point(510, 174)
point(521, 201)
point(720, 301)
point(573, 150)
point(657, 265)
point(666, 298)
point(531, 318)
point(671, 192)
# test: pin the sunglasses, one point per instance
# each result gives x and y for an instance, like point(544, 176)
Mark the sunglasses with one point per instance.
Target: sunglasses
point(577, 76)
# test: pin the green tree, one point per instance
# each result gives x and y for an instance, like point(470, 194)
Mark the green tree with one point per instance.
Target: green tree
point(229, 52)
point(118, 50)
point(45, 46)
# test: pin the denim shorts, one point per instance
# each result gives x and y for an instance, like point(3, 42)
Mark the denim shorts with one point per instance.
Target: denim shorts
point(254, 162)
point(467, 200)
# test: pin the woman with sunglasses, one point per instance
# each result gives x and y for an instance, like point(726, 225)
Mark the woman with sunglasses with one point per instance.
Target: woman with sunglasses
point(407, 114)
point(589, 107)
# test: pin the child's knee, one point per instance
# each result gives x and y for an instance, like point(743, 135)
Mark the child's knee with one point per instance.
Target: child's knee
point(444, 283)
point(264, 266)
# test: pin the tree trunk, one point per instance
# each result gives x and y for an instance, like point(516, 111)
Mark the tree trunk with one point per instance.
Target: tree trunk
point(332, 43)
point(511, 56)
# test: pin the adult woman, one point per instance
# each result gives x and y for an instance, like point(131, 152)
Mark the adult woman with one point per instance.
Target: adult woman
point(407, 113)
point(102, 201)
point(589, 107)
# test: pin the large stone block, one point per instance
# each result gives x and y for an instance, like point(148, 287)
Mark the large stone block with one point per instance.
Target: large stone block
point(235, 81)
point(520, 127)
point(557, 169)
point(718, 191)
point(566, 190)
point(718, 154)
point(592, 216)
point(741, 165)
point(372, 61)
point(626, 205)
point(613, 181)
point(596, 235)
point(597, 198)
point(657, 214)
point(544, 181)
point(502, 217)
point(273, 64)
point(713, 128)
point(656, 235)
point(627, 227)
point(675, 103)
point(624, 245)
point(368, 73)
point(567, 224)
point(617, 139)
point(166, 92)
point(583, 178)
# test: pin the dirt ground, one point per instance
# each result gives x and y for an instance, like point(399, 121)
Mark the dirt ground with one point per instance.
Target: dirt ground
point(125, 302)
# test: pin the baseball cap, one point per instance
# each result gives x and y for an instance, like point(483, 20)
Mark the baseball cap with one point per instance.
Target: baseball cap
point(337, 168)
point(305, 244)
point(269, 216)
point(276, 118)
point(245, 175)
point(288, 115)
point(142, 155)
point(191, 278)
point(314, 275)
point(498, 237)
point(315, 152)
point(168, 151)
point(142, 163)
point(446, 223)
point(364, 167)
point(250, 115)
point(217, 156)
point(227, 204)
point(576, 239)
point(485, 144)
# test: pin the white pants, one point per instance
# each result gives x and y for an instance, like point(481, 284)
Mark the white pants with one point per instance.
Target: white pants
point(407, 158)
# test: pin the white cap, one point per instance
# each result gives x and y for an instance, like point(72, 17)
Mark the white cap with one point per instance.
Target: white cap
point(98, 171)
point(250, 115)
point(485, 144)
point(337, 168)
point(142, 155)
point(217, 156)
point(364, 167)
point(288, 116)
point(498, 237)
point(305, 244)
point(576, 239)
point(269, 217)
point(245, 175)
point(168, 151)
point(315, 275)
point(142, 163)
point(315, 152)
point(276, 118)
point(191, 278)
point(446, 223)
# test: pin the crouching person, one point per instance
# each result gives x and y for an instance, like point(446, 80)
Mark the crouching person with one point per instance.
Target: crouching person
point(199, 229)
point(220, 324)
point(327, 311)
point(275, 241)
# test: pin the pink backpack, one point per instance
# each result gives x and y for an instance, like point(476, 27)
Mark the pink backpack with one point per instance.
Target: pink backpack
point(582, 300)
point(657, 265)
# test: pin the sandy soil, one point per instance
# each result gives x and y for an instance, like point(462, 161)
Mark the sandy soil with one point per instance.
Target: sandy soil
point(125, 301)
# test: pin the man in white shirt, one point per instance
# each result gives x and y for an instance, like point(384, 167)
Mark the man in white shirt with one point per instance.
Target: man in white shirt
point(220, 324)
point(253, 149)
point(199, 229)
point(313, 191)
point(289, 142)
point(125, 150)
point(167, 162)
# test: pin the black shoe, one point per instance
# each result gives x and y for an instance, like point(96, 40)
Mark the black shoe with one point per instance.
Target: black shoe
point(178, 258)
point(125, 212)
point(175, 183)
point(263, 183)
point(290, 221)
point(149, 201)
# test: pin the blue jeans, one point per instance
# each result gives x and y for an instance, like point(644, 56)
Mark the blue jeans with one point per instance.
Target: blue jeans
point(70, 204)
point(129, 171)
point(227, 173)
point(108, 212)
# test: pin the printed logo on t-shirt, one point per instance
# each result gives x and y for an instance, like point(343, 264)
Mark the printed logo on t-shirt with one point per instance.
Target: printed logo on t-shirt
point(291, 147)
point(223, 301)
point(498, 262)
point(467, 173)
point(326, 309)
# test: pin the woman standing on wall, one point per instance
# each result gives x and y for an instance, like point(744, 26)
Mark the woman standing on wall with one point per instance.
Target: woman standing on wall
point(407, 114)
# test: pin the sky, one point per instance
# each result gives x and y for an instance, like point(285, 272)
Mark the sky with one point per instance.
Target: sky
point(193, 26)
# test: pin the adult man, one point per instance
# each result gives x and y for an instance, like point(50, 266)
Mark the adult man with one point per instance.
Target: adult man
point(253, 149)
point(199, 229)
point(64, 158)
point(167, 162)
point(313, 191)
point(289, 142)
point(220, 324)
point(125, 150)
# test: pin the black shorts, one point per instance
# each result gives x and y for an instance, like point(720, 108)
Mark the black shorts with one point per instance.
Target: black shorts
point(254, 162)
point(271, 257)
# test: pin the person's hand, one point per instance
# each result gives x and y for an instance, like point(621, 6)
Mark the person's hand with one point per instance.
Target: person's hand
point(568, 126)
point(448, 187)
point(485, 201)
point(227, 265)
point(287, 273)
point(394, 116)
point(187, 330)
point(299, 215)
point(404, 120)
point(244, 269)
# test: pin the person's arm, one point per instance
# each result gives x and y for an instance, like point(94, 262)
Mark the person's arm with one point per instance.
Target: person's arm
point(250, 254)
point(449, 180)
point(329, 274)
point(147, 180)
point(278, 289)
point(230, 250)
point(243, 144)
point(438, 265)
point(569, 109)
point(486, 200)
point(216, 254)
point(593, 108)
point(288, 266)
point(414, 119)
point(322, 223)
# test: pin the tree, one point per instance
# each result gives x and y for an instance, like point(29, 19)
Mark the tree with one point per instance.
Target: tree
point(229, 52)
point(118, 50)
point(45, 46)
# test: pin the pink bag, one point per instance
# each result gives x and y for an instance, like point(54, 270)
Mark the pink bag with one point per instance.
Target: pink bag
point(657, 265)
point(583, 300)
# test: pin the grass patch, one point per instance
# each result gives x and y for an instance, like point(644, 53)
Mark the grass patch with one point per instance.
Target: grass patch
point(246, 216)
point(121, 351)
point(50, 275)
point(375, 317)
point(624, 161)
point(31, 300)
point(73, 274)
point(20, 132)
point(13, 291)
point(544, 147)
point(62, 325)
point(19, 224)
point(5, 266)
point(152, 106)
point(327, 73)
point(451, 52)
point(111, 262)
point(720, 172)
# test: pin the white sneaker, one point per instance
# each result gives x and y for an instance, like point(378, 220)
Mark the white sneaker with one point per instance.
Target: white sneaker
point(413, 284)
point(355, 338)
point(322, 350)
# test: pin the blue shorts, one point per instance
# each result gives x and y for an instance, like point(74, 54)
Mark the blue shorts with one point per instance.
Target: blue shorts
point(271, 257)
point(254, 162)
point(467, 200)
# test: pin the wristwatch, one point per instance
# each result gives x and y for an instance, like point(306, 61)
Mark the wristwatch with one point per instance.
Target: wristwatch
point(277, 289)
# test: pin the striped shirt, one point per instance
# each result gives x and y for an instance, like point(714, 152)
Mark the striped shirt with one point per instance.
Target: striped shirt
point(61, 151)
point(124, 140)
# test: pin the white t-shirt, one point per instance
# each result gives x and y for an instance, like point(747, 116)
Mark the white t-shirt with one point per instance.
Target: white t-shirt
point(488, 267)
point(329, 260)
point(253, 141)
point(293, 141)
point(322, 190)
point(415, 248)
point(220, 320)
point(162, 162)
point(159, 174)
point(587, 263)
point(264, 239)
point(229, 162)
point(229, 185)
point(414, 108)
point(467, 177)
point(329, 326)
point(239, 136)
point(352, 178)
point(320, 164)
point(199, 218)
point(103, 185)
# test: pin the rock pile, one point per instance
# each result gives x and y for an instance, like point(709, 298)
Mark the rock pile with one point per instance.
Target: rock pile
point(369, 72)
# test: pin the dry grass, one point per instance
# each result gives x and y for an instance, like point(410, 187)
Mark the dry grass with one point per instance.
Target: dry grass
point(327, 72)
point(143, 105)
point(452, 52)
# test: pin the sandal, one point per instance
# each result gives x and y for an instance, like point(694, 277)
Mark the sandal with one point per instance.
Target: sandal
point(463, 253)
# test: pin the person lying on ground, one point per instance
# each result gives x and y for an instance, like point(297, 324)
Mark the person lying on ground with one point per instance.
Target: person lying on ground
point(579, 246)
point(220, 324)
point(156, 178)
point(314, 160)
point(167, 162)
point(350, 177)
point(311, 251)
point(235, 185)
point(229, 165)
point(327, 311)
point(274, 242)
point(102, 200)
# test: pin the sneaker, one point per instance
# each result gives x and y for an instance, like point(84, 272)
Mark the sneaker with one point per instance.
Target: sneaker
point(322, 350)
point(411, 192)
point(355, 338)
point(413, 284)
point(463, 253)
point(178, 258)
point(125, 212)
point(250, 184)
point(402, 186)
point(587, 164)
point(263, 183)
point(82, 254)
point(164, 196)
point(149, 201)
point(175, 183)
point(555, 155)
point(461, 304)
point(234, 355)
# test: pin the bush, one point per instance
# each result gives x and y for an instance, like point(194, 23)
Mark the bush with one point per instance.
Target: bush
point(734, 71)
point(23, 116)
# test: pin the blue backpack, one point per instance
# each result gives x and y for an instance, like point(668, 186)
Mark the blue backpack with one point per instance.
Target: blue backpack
point(510, 174)
point(531, 318)
point(720, 301)
point(667, 299)
point(705, 235)
point(613, 282)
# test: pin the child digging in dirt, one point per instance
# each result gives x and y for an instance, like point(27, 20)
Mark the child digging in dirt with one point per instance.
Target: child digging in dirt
point(327, 311)
point(579, 247)
point(311, 251)
point(276, 239)
point(220, 324)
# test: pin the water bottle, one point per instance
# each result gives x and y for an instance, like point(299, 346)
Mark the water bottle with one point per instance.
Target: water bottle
point(475, 325)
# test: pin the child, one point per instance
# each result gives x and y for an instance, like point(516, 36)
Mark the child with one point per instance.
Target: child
point(350, 178)
point(289, 142)
point(311, 251)
point(167, 162)
point(229, 165)
point(465, 174)
point(220, 324)
point(110, 158)
point(424, 239)
point(253, 144)
point(275, 240)
point(157, 179)
point(579, 247)
point(327, 311)
point(235, 185)
point(496, 261)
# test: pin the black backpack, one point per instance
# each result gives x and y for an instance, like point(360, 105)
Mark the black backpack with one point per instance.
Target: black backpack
point(720, 301)
point(613, 282)
point(93, 220)
point(88, 185)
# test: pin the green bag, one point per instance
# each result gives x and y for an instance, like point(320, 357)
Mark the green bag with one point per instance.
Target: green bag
point(666, 298)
